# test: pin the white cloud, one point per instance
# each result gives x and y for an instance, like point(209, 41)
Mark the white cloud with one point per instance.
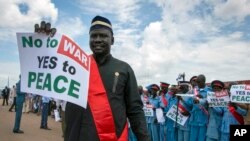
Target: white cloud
point(222, 58)
point(125, 22)
point(36, 10)
point(169, 47)
point(124, 10)
point(11, 70)
point(190, 37)
point(233, 10)
point(14, 20)
point(72, 27)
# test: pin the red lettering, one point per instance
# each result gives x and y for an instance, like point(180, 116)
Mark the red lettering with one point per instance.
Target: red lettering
point(69, 48)
point(221, 93)
point(247, 87)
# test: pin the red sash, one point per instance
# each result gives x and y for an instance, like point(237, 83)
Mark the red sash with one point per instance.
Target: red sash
point(182, 108)
point(164, 100)
point(100, 107)
point(236, 115)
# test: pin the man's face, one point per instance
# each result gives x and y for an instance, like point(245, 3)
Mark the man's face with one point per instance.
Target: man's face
point(193, 82)
point(200, 82)
point(153, 91)
point(184, 88)
point(216, 88)
point(164, 89)
point(100, 41)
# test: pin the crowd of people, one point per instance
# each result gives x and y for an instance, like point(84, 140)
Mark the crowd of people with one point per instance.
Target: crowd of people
point(204, 123)
point(27, 103)
point(114, 103)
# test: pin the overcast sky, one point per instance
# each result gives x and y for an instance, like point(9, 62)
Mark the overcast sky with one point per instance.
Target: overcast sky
point(158, 38)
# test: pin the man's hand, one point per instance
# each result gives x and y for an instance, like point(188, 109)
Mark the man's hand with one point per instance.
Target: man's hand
point(232, 104)
point(196, 100)
point(45, 28)
point(186, 113)
point(179, 97)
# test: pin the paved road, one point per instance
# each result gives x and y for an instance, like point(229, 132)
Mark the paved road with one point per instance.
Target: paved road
point(30, 124)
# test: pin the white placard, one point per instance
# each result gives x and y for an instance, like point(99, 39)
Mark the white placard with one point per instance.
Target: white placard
point(240, 93)
point(185, 95)
point(159, 115)
point(53, 67)
point(148, 112)
point(181, 119)
point(218, 99)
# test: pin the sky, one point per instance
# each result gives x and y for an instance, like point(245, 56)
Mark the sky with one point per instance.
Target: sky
point(159, 38)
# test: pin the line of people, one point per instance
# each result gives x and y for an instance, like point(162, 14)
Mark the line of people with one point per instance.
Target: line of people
point(27, 102)
point(202, 123)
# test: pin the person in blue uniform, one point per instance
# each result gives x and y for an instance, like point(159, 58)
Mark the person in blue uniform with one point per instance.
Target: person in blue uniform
point(213, 128)
point(163, 104)
point(154, 126)
point(193, 82)
point(171, 128)
point(199, 114)
point(19, 107)
point(146, 104)
point(131, 134)
point(184, 108)
point(44, 115)
point(232, 115)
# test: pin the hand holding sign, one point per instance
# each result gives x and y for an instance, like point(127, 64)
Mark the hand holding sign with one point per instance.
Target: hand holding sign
point(53, 66)
point(218, 98)
point(232, 104)
point(45, 28)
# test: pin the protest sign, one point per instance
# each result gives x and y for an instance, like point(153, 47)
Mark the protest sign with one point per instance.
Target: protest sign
point(185, 95)
point(172, 113)
point(54, 67)
point(148, 112)
point(218, 99)
point(159, 115)
point(240, 93)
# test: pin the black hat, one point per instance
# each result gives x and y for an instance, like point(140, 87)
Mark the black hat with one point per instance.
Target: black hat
point(100, 22)
point(217, 83)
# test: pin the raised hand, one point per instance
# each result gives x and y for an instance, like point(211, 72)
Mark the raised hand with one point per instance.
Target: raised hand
point(45, 28)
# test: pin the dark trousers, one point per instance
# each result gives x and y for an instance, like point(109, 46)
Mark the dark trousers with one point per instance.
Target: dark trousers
point(79, 124)
point(19, 108)
point(63, 122)
point(45, 110)
point(5, 98)
point(13, 104)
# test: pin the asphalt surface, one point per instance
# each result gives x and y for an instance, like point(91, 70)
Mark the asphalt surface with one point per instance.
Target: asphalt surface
point(30, 124)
